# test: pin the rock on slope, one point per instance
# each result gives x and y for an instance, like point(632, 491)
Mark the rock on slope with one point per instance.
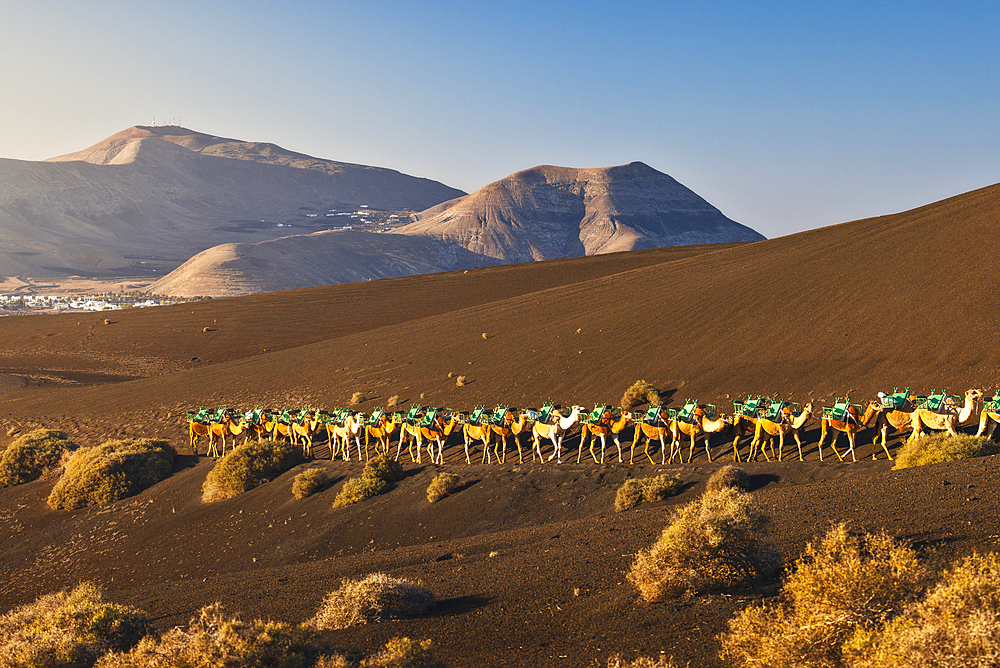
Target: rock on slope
point(551, 212)
point(172, 192)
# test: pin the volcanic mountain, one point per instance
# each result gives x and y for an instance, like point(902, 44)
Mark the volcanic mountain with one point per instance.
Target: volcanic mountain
point(161, 194)
point(551, 212)
point(538, 214)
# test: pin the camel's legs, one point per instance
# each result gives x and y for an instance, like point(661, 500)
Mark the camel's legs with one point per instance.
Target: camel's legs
point(850, 440)
point(798, 442)
point(619, 444)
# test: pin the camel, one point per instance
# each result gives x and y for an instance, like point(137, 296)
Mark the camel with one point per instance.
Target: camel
point(655, 426)
point(701, 427)
point(990, 417)
point(479, 432)
point(894, 411)
point(382, 431)
point(438, 432)
point(341, 435)
point(434, 429)
point(554, 431)
point(608, 426)
point(281, 426)
point(511, 426)
point(196, 430)
point(850, 425)
point(946, 418)
point(217, 429)
point(786, 424)
point(304, 428)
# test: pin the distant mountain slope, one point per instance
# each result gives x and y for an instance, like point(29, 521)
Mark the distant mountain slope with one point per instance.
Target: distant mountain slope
point(549, 212)
point(308, 260)
point(166, 193)
point(538, 214)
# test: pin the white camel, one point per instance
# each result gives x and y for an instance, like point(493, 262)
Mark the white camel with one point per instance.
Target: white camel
point(947, 417)
point(554, 431)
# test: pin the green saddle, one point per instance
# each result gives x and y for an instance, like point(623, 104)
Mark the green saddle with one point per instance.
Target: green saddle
point(840, 411)
point(934, 400)
point(895, 401)
point(652, 414)
point(412, 414)
point(773, 410)
point(747, 407)
point(993, 405)
point(376, 415)
point(686, 414)
point(498, 413)
point(429, 418)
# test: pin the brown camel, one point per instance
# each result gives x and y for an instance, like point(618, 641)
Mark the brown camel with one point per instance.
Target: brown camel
point(701, 426)
point(437, 432)
point(304, 429)
point(786, 423)
point(382, 431)
point(990, 417)
point(895, 411)
point(196, 431)
point(509, 425)
point(946, 417)
point(608, 426)
point(853, 422)
point(478, 432)
point(659, 429)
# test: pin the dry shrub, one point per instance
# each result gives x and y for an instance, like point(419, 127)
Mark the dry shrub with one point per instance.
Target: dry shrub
point(214, 638)
point(68, 629)
point(404, 653)
point(943, 447)
point(247, 466)
point(377, 478)
point(843, 586)
point(957, 624)
point(309, 482)
point(640, 393)
point(442, 485)
point(716, 542)
point(729, 475)
point(640, 662)
point(485, 336)
point(111, 471)
point(31, 455)
point(357, 398)
point(635, 490)
point(392, 401)
point(460, 381)
point(375, 598)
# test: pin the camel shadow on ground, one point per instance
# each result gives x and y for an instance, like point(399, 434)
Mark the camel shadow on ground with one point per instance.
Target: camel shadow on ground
point(761, 480)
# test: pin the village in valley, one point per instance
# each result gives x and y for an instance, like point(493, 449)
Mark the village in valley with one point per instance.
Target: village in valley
point(15, 304)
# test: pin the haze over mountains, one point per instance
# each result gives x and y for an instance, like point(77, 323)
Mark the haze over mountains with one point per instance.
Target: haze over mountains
point(144, 201)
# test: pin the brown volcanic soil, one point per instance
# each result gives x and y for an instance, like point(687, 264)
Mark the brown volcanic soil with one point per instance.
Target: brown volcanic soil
point(859, 307)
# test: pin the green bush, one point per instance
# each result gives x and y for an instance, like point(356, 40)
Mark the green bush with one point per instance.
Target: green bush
point(247, 466)
point(309, 482)
point(635, 490)
point(844, 588)
point(714, 543)
point(442, 485)
point(957, 624)
point(377, 597)
point(729, 475)
point(31, 455)
point(377, 478)
point(111, 471)
point(214, 638)
point(68, 629)
point(943, 447)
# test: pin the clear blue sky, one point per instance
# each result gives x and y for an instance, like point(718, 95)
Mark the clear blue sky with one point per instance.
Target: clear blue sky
point(785, 115)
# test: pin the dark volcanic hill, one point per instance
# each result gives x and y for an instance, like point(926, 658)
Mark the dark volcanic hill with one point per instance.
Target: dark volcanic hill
point(162, 194)
point(551, 212)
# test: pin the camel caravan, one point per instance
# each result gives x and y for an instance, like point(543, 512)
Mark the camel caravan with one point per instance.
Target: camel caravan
point(755, 420)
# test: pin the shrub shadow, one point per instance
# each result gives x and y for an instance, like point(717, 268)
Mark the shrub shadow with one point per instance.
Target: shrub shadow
point(182, 462)
point(451, 607)
point(761, 480)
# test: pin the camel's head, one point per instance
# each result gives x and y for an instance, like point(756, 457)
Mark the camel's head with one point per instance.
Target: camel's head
point(808, 408)
point(726, 419)
point(975, 395)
